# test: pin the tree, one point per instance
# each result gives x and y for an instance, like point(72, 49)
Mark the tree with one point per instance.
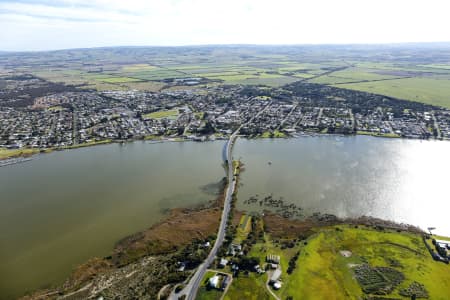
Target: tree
point(208, 128)
point(248, 263)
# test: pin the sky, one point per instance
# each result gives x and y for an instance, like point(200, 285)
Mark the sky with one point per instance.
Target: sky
point(29, 25)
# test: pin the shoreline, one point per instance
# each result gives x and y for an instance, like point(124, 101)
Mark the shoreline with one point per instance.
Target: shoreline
point(173, 233)
point(179, 229)
point(30, 152)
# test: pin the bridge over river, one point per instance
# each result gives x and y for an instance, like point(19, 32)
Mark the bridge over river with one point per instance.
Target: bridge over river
point(190, 290)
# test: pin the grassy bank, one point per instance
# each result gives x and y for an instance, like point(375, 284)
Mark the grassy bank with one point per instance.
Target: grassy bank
point(14, 153)
point(274, 134)
point(329, 260)
point(26, 152)
point(88, 144)
point(150, 256)
point(377, 134)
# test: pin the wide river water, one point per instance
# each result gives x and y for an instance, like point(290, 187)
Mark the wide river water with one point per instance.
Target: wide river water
point(63, 208)
point(60, 209)
point(394, 179)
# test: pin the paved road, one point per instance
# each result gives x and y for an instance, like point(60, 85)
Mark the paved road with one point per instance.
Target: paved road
point(190, 290)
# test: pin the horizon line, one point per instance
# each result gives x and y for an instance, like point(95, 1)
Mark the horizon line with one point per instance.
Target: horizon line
point(447, 43)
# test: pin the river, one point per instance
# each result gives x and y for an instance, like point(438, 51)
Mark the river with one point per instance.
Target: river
point(394, 179)
point(63, 208)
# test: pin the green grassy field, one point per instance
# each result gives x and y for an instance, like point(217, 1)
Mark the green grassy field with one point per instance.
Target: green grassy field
point(427, 90)
point(119, 80)
point(247, 288)
point(244, 228)
point(138, 67)
point(271, 70)
point(242, 76)
point(417, 78)
point(331, 272)
point(160, 74)
point(274, 73)
point(323, 272)
point(303, 75)
point(173, 113)
point(423, 83)
point(437, 66)
point(273, 82)
point(355, 74)
point(152, 86)
point(350, 75)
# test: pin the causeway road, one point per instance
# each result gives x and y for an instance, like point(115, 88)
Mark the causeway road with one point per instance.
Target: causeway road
point(190, 290)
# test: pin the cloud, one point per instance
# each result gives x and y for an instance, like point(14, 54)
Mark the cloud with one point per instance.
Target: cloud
point(51, 24)
point(65, 12)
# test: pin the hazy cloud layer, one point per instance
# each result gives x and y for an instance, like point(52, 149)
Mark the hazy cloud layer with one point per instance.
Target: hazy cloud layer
point(51, 24)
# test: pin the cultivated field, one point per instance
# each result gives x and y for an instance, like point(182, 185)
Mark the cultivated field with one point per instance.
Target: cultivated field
point(435, 91)
point(411, 73)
